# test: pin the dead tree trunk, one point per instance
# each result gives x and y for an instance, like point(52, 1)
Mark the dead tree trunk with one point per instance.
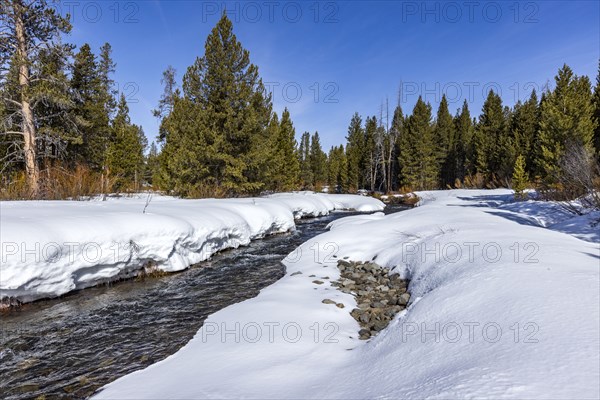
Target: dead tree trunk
point(28, 126)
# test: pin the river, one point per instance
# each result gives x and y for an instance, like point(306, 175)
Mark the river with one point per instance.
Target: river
point(71, 346)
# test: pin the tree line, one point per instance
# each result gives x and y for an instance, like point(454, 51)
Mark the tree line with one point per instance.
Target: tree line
point(426, 151)
point(219, 135)
point(60, 113)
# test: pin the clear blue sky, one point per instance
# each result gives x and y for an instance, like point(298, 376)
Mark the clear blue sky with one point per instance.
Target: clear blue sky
point(349, 56)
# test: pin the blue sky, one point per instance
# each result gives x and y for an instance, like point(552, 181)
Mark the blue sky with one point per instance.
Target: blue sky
point(325, 60)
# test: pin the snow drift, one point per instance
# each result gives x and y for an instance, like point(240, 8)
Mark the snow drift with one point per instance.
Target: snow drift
point(52, 247)
point(501, 308)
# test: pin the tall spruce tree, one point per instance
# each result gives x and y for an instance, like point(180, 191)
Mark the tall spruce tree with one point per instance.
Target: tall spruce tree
point(318, 161)
point(306, 174)
point(354, 152)
point(567, 118)
point(596, 102)
point(525, 126)
point(93, 106)
point(418, 150)
point(287, 164)
point(337, 176)
point(225, 87)
point(493, 145)
point(370, 153)
point(125, 154)
point(443, 133)
point(463, 147)
point(396, 132)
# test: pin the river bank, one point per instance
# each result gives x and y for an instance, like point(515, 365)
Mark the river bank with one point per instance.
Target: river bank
point(483, 319)
point(50, 248)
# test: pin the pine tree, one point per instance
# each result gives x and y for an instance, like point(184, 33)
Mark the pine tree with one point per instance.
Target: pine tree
point(443, 133)
point(418, 150)
point(306, 174)
point(463, 151)
point(28, 27)
point(225, 87)
point(596, 101)
point(566, 118)
point(152, 168)
point(370, 153)
point(167, 99)
point(355, 151)
point(525, 125)
point(519, 178)
point(125, 155)
point(318, 161)
point(337, 176)
point(288, 166)
point(93, 107)
point(493, 145)
point(396, 132)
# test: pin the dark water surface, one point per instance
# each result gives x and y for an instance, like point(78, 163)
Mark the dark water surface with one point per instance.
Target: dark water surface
point(70, 347)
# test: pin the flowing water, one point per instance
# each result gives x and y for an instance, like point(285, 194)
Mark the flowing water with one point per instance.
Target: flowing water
point(72, 346)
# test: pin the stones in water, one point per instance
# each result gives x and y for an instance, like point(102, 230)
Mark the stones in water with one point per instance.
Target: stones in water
point(379, 296)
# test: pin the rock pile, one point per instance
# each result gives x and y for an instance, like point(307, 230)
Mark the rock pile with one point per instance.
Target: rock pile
point(379, 296)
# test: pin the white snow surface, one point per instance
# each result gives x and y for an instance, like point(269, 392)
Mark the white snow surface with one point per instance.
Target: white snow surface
point(515, 317)
point(50, 248)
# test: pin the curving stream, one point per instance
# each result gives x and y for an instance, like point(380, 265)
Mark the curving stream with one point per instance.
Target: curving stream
point(70, 347)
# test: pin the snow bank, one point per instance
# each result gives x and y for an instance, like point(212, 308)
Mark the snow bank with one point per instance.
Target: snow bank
point(52, 247)
point(500, 308)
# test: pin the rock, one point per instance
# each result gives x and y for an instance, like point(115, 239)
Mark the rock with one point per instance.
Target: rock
point(328, 301)
point(348, 282)
point(339, 305)
point(377, 304)
point(317, 282)
point(296, 273)
point(403, 299)
point(364, 318)
point(312, 276)
point(364, 334)
point(364, 306)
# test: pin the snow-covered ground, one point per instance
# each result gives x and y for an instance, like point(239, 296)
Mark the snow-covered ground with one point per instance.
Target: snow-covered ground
point(502, 306)
point(53, 247)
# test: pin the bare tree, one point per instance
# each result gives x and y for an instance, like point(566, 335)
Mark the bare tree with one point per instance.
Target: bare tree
point(579, 178)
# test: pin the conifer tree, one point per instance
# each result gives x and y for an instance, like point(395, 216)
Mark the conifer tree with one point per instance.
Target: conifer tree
point(318, 161)
point(288, 166)
point(167, 99)
point(396, 132)
point(125, 155)
point(463, 147)
point(306, 174)
point(93, 107)
point(354, 152)
point(493, 145)
point(566, 118)
point(225, 87)
point(596, 101)
point(519, 178)
point(337, 170)
point(152, 168)
point(525, 125)
point(418, 151)
point(370, 153)
point(443, 133)
point(27, 28)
